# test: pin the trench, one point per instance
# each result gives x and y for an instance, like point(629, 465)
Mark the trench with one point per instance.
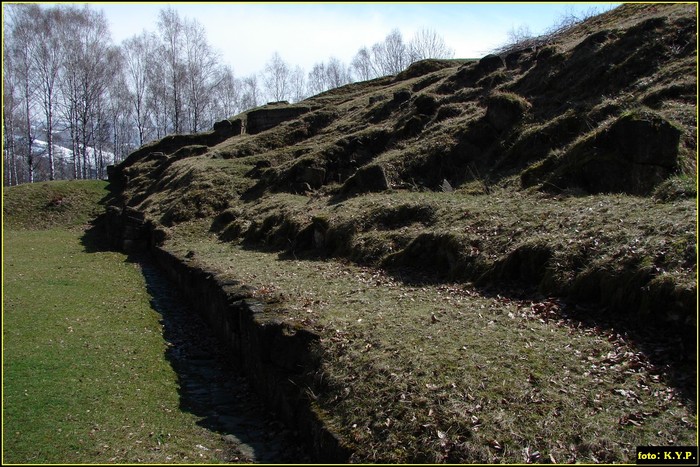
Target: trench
point(211, 387)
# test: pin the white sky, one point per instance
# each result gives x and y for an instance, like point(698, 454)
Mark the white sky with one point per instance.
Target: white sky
point(248, 34)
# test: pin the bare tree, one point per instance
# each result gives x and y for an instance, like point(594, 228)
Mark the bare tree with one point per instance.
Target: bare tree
point(297, 82)
point(70, 88)
point(316, 82)
point(21, 37)
point(202, 73)
point(337, 74)
point(121, 117)
point(388, 57)
point(379, 60)
point(71, 84)
point(228, 93)
point(251, 93)
point(277, 78)
point(100, 137)
point(47, 55)
point(90, 64)
point(108, 65)
point(362, 65)
point(394, 53)
point(135, 53)
point(519, 34)
point(171, 34)
point(158, 97)
point(10, 106)
point(427, 43)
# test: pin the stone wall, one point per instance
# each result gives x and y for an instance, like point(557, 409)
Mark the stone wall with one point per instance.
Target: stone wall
point(222, 131)
point(268, 117)
point(281, 362)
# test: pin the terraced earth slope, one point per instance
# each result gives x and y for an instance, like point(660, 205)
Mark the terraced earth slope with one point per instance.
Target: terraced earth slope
point(499, 255)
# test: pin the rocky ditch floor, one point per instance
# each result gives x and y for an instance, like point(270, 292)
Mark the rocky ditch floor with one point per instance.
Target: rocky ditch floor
point(211, 388)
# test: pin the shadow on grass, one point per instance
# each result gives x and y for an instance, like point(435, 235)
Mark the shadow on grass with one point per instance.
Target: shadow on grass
point(210, 387)
point(94, 239)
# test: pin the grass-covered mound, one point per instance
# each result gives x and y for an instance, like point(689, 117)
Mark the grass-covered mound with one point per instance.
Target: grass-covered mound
point(558, 175)
point(568, 166)
point(59, 204)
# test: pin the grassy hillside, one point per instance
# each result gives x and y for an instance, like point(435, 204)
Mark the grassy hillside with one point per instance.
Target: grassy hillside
point(568, 167)
point(60, 204)
point(558, 176)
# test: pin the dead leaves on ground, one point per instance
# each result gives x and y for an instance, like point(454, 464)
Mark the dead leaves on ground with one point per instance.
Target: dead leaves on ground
point(608, 379)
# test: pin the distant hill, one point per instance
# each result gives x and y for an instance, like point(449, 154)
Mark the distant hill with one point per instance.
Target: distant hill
point(41, 147)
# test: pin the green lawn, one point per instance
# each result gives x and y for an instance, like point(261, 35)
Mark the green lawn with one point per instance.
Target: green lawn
point(85, 377)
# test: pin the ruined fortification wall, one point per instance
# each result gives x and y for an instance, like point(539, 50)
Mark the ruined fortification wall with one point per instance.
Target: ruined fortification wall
point(268, 117)
point(281, 362)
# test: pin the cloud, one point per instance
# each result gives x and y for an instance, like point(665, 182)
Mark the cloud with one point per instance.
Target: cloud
point(302, 36)
point(247, 35)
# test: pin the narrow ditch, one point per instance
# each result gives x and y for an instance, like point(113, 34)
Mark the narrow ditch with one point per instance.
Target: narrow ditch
point(211, 388)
